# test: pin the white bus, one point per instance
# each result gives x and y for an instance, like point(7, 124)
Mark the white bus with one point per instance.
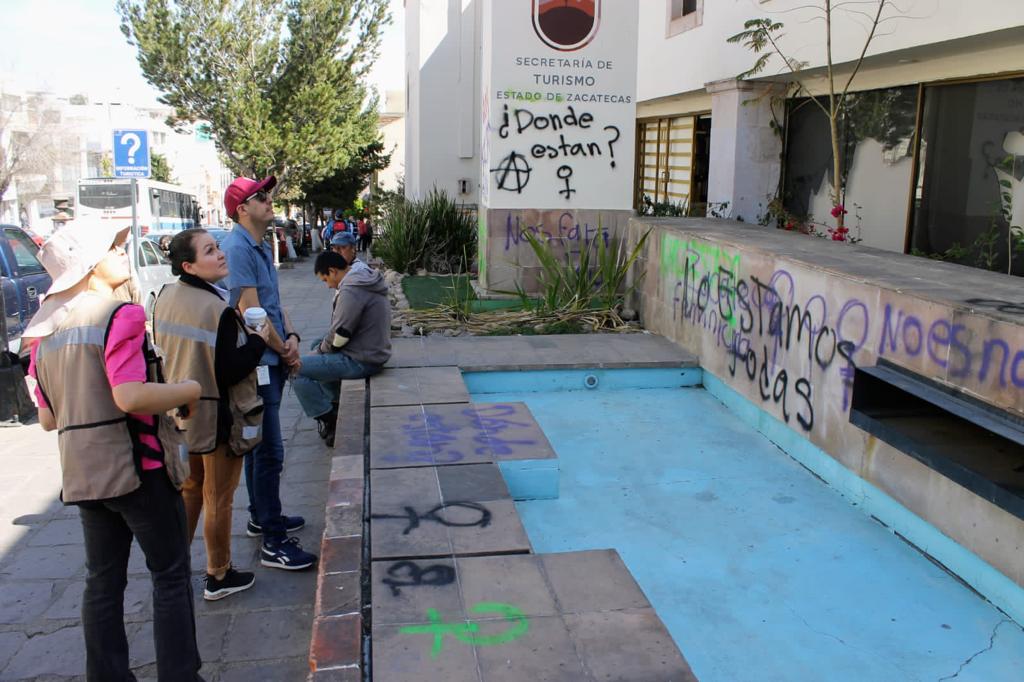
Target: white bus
point(161, 208)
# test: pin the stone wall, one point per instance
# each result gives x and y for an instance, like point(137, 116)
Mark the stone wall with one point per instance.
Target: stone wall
point(783, 319)
point(505, 256)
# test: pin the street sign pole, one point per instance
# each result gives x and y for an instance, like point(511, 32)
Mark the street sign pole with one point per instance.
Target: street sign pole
point(135, 249)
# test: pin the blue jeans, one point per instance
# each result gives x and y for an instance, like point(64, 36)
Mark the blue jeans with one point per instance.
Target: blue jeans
point(264, 464)
point(318, 383)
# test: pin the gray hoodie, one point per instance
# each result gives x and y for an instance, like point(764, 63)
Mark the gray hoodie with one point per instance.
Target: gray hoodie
point(362, 312)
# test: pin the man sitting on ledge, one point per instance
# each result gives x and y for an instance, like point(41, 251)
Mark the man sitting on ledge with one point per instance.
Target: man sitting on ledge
point(355, 346)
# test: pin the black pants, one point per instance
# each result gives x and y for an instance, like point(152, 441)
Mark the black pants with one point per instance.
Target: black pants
point(155, 515)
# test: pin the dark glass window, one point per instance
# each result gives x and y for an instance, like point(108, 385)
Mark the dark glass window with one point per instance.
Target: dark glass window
point(105, 195)
point(970, 183)
point(877, 142)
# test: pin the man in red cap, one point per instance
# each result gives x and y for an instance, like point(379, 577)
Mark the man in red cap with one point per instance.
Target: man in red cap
point(252, 281)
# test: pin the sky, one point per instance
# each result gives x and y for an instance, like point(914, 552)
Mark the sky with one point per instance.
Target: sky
point(76, 46)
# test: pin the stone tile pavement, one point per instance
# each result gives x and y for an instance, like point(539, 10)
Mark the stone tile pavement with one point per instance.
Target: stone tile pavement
point(261, 634)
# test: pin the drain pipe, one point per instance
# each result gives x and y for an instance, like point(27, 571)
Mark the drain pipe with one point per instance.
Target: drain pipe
point(365, 573)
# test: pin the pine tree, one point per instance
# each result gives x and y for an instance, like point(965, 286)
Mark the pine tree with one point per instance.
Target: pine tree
point(281, 83)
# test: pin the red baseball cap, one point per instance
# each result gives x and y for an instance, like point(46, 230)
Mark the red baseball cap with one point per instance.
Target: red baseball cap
point(243, 188)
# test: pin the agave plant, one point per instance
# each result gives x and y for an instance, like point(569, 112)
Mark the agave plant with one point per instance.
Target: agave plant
point(595, 280)
point(434, 233)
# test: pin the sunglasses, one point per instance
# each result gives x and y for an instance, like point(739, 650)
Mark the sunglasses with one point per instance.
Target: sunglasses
point(258, 196)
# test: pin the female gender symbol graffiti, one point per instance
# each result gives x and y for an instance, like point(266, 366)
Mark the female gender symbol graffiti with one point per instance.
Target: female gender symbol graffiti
point(468, 632)
point(564, 173)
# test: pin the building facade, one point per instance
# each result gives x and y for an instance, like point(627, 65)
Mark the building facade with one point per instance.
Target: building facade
point(933, 154)
point(69, 138)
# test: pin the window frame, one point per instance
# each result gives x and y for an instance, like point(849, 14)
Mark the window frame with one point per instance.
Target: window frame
point(676, 25)
point(15, 238)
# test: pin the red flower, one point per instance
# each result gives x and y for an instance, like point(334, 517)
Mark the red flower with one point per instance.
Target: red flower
point(838, 210)
point(790, 225)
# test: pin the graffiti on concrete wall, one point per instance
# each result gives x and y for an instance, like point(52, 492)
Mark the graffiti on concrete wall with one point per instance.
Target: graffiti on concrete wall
point(568, 232)
point(786, 339)
point(552, 144)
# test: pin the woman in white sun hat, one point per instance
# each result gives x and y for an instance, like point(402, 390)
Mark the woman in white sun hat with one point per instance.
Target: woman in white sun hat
point(99, 387)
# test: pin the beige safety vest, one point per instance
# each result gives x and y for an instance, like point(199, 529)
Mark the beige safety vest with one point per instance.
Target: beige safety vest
point(99, 451)
point(185, 320)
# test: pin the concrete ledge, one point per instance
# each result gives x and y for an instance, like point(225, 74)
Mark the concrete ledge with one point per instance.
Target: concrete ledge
point(556, 351)
point(532, 479)
point(336, 645)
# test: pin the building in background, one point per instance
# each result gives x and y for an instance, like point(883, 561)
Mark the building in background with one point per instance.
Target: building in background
point(71, 138)
point(934, 155)
point(938, 105)
point(442, 47)
point(392, 130)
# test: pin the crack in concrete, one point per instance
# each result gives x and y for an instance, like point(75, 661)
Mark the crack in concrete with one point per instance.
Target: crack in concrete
point(855, 648)
point(815, 631)
point(991, 643)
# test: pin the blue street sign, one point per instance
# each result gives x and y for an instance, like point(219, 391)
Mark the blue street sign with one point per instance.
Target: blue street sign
point(131, 154)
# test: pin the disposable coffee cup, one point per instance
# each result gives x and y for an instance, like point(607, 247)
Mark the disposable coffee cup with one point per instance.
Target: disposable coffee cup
point(255, 317)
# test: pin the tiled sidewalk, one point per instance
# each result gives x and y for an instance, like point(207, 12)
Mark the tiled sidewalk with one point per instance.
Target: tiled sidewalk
point(261, 634)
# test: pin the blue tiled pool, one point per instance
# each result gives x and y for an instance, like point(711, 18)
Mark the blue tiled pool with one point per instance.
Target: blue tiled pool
point(759, 570)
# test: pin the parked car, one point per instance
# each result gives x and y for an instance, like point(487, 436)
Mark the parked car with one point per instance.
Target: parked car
point(24, 281)
point(154, 272)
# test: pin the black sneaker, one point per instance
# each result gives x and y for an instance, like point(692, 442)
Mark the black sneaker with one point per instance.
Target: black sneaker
point(233, 581)
point(291, 524)
point(325, 426)
point(287, 554)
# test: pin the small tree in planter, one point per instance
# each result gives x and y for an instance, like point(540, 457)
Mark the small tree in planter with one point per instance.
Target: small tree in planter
point(763, 36)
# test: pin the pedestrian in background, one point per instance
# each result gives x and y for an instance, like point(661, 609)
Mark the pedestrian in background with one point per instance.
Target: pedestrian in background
point(204, 338)
point(99, 387)
point(362, 228)
point(252, 282)
point(345, 245)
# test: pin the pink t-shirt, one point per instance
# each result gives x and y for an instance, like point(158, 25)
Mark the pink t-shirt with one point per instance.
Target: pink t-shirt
point(124, 363)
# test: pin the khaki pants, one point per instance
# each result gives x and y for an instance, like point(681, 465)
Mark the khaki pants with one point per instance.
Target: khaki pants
point(211, 484)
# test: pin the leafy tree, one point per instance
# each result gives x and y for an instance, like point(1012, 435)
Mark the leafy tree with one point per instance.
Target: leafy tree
point(342, 187)
point(280, 83)
point(160, 170)
point(764, 38)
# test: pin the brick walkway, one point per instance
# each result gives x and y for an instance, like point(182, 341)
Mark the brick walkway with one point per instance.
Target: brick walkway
point(261, 634)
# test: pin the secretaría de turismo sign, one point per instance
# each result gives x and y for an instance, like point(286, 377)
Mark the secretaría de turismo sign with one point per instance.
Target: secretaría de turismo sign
point(559, 103)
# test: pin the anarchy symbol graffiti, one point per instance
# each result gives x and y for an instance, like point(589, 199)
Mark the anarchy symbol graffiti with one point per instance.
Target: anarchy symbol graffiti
point(513, 173)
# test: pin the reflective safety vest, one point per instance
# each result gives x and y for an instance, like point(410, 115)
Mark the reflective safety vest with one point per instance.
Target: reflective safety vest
point(100, 449)
point(185, 323)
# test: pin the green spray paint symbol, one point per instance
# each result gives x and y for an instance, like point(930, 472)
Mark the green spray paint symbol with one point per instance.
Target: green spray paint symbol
point(467, 632)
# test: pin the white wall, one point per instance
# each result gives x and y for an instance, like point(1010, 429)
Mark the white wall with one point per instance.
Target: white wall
point(685, 62)
point(442, 48)
point(392, 131)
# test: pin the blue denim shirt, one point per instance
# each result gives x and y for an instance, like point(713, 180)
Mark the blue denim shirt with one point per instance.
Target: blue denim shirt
point(251, 264)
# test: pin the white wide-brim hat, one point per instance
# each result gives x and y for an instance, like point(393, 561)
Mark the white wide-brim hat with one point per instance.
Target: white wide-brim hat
point(69, 255)
point(73, 251)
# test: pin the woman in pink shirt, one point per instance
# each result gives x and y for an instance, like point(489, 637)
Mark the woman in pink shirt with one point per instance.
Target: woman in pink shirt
point(122, 472)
